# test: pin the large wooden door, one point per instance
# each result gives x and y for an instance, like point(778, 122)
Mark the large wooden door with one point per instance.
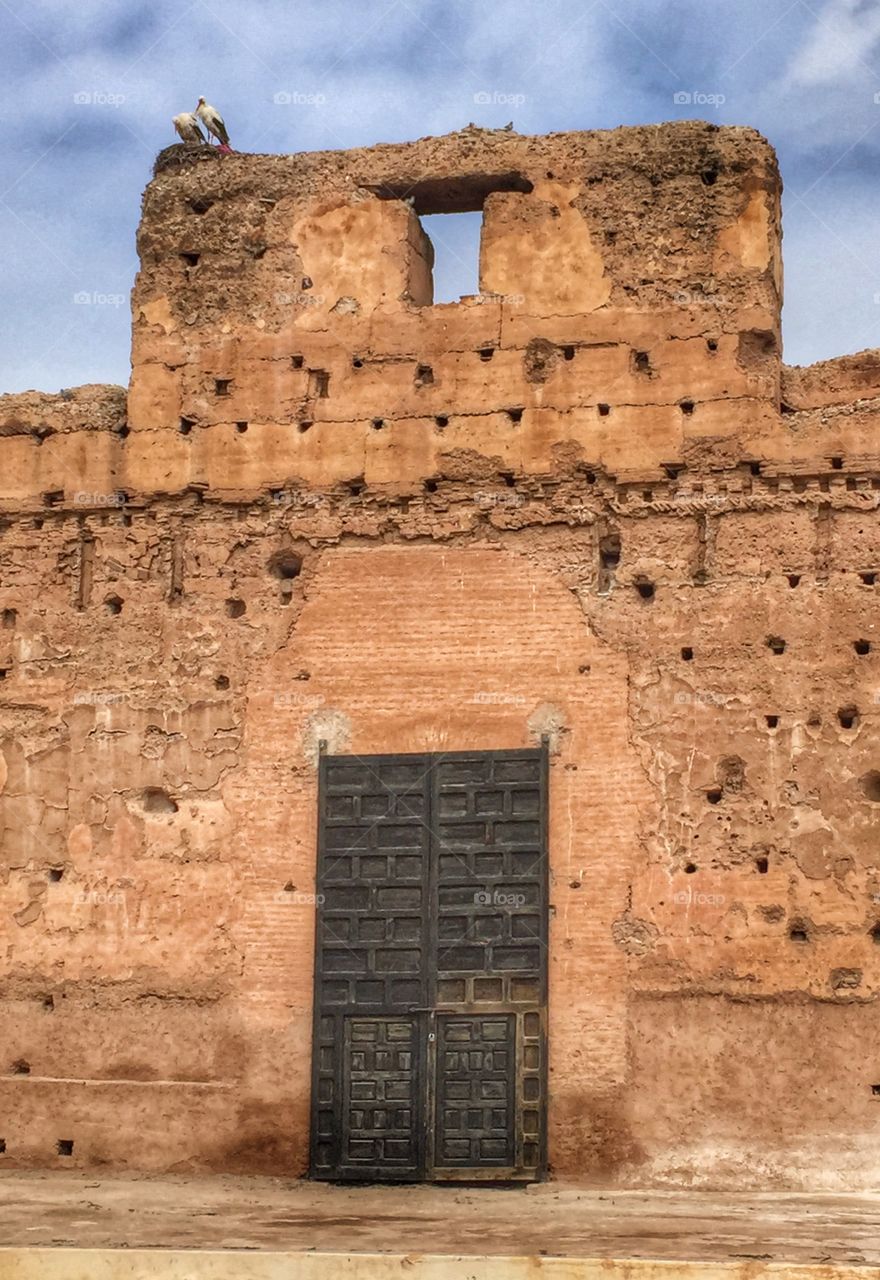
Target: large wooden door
point(431, 968)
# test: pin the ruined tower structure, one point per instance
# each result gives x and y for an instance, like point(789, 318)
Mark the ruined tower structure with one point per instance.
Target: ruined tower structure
point(440, 741)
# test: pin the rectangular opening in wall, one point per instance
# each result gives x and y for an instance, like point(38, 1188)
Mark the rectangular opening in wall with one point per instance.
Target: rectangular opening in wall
point(456, 241)
point(451, 215)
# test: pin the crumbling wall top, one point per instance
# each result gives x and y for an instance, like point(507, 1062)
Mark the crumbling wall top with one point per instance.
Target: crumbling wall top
point(41, 414)
point(625, 319)
point(675, 213)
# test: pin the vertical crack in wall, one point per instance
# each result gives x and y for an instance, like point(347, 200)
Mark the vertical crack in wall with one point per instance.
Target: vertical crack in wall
point(85, 569)
point(175, 586)
point(822, 550)
point(706, 531)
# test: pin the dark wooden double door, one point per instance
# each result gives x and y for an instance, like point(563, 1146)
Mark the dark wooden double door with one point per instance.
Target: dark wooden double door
point(431, 978)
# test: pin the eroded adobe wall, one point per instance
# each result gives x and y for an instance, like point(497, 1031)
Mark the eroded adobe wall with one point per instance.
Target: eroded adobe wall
point(589, 503)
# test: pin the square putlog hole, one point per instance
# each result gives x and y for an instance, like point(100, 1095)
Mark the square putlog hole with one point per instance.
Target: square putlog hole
point(319, 384)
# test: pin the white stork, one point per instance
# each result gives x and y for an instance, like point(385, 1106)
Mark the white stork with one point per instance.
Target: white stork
point(213, 122)
point(187, 127)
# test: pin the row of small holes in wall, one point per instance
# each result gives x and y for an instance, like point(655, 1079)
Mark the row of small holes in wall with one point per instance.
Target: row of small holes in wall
point(861, 647)
point(113, 605)
point(869, 783)
point(800, 933)
point(186, 425)
point(836, 464)
point(63, 1147)
point(800, 483)
point(867, 579)
point(647, 591)
point(848, 718)
point(285, 566)
point(441, 421)
point(424, 374)
point(697, 489)
point(687, 655)
point(101, 517)
point(320, 389)
point(641, 360)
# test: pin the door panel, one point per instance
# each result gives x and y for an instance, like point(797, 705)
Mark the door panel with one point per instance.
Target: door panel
point(475, 1091)
point(380, 1095)
point(370, 966)
point(430, 988)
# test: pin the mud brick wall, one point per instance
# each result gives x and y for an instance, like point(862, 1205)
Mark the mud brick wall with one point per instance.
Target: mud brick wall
point(587, 502)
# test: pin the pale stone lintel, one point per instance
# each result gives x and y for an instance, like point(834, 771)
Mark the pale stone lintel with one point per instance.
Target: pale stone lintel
point(231, 1264)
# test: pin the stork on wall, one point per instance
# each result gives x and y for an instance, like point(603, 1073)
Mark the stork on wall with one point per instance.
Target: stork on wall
point(213, 122)
point(187, 127)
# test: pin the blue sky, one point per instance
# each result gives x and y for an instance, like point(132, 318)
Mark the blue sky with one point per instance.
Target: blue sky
point(91, 87)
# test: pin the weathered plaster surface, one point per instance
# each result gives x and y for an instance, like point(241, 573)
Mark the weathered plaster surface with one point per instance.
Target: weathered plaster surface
point(589, 502)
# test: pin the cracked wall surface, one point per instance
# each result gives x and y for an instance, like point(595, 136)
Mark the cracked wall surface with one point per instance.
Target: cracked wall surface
point(587, 502)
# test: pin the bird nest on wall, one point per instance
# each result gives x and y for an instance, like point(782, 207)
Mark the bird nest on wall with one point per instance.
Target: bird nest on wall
point(184, 153)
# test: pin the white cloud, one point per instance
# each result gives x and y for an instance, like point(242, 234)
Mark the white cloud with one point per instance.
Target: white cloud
point(841, 43)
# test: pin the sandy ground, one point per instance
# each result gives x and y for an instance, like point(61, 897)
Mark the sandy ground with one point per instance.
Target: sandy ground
point(552, 1219)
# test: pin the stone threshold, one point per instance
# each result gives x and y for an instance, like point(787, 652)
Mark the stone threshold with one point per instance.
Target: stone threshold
point(234, 1264)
